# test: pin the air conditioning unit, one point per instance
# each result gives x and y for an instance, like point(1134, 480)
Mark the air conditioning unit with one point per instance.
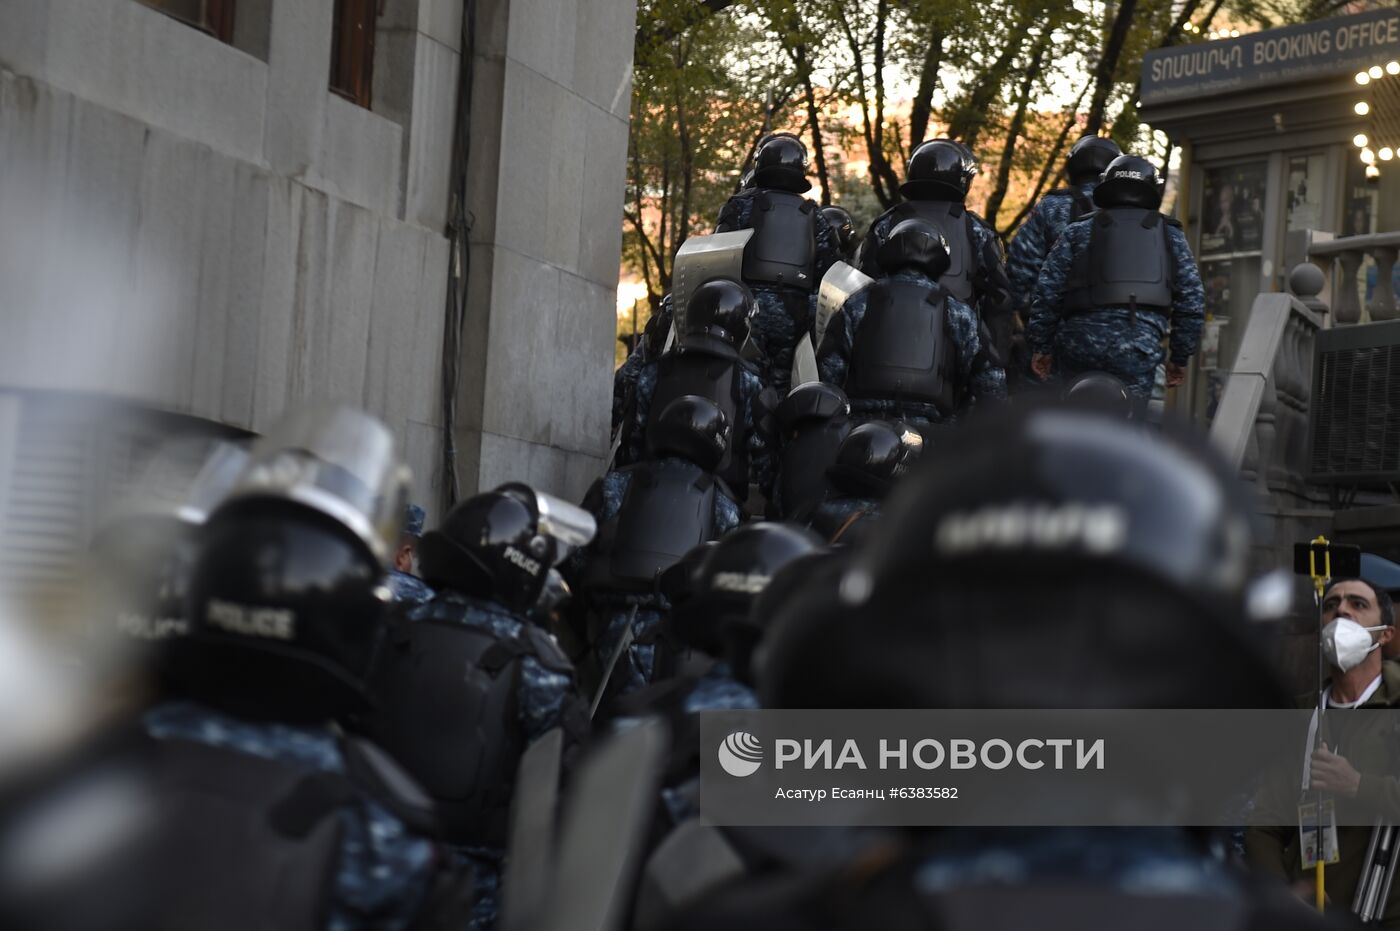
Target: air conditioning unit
point(1354, 416)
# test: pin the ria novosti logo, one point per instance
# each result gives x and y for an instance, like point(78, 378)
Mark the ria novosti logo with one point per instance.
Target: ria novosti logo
point(741, 754)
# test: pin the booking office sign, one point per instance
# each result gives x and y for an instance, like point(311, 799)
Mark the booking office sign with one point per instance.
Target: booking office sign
point(1036, 767)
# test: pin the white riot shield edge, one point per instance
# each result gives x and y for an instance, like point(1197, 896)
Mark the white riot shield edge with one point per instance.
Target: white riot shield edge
point(838, 284)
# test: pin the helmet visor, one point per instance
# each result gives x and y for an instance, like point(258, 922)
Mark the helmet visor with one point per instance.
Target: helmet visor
point(336, 460)
point(185, 478)
point(559, 520)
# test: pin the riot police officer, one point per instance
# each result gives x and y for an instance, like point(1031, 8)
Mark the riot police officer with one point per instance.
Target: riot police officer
point(279, 818)
point(462, 734)
point(845, 227)
point(809, 424)
point(711, 620)
point(871, 458)
point(934, 614)
point(936, 184)
point(647, 350)
point(792, 247)
point(1116, 284)
point(904, 346)
point(1047, 220)
point(650, 515)
point(706, 362)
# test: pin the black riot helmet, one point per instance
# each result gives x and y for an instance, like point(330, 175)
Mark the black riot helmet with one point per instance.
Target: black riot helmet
point(915, 245)
point(1047, 557)
point(844, 225)
point(1089, 157)
point(1102, 392)
point(939, 170)
point(285, 595)
point(815, 400)
point(1129, 181)
point(873, 456)
point(502, 544)
point(781, 163)
point(733, 574)
point(143, 549)
point(693, 428)
point(717, 316)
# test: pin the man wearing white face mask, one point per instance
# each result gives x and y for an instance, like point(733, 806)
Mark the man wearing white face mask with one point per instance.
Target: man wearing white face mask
point(1357, 620)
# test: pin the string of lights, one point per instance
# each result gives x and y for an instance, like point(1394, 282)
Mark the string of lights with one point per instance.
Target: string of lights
point(1382, 108)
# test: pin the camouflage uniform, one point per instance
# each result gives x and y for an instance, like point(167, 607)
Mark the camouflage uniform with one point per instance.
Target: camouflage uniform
point(835, 516)
point(1143, 861)
point(646, 351)
point(384, 871)
point(636, 669)
point(408, 589)
point(751, 411)
point(1033, 241)
point(980, 379)
point(547, 699)
point(717, 690)
point(782, 314)
point(1126, 344)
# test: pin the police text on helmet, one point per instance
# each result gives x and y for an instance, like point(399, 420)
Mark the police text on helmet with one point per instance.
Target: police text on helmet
point(1101, 528)
point(252, 621)
point(531, 566)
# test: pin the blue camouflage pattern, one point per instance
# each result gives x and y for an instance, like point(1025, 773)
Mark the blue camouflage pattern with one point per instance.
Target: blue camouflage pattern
point(756, 439)
point(604, 501)
point(406, 588)
point(782, 315)
point(718, 690)
point(384, 871)
point(647, 350)
point(546, 690)
point(979, 380)
point(832, 514)
point(1032, 243)
point(413, 517)
point(1116, 340)
point(1139, 861)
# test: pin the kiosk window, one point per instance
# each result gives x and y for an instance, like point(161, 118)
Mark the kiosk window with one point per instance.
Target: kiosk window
point(1304, 193)
point(1232, 209)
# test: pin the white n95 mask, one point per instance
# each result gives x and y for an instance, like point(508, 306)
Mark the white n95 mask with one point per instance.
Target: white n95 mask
point(1346, 643)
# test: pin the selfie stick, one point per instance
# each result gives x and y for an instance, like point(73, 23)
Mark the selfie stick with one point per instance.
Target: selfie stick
point(1320, 580)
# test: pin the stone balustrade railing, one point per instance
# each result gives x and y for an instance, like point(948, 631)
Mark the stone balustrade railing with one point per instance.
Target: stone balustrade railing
point(1261, 423)
point(1341, 260)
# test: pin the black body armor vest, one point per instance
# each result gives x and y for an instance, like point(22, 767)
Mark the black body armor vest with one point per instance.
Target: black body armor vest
point(902, 350)
point(953, 222)
point(669, 508)
point(1127, 264)
point(783, 250)
point(446, 697)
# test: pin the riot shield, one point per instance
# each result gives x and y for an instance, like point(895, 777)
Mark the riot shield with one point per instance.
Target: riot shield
point(700, 259)
point(804, 362)
point(611, 798)
point(838, 284)
point(528, 871)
